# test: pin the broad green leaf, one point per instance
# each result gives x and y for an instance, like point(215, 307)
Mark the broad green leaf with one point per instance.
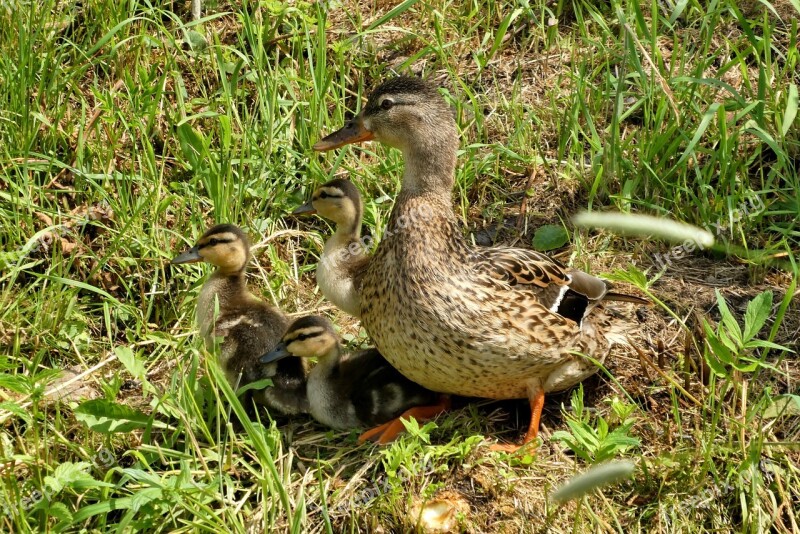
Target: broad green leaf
point(722, 336)
point(756, 315)
point(727, 317)
point(762, 364)
point(59, 510)
point(719, 354)
point(717, 346)
point(67, 473)
point(132, 364)
point(258, 384)
point(713, 82)
point(101, 508)
point(602, 428)
point(17, 410)
point(752, 127)
point(785, 405)
point(746, 365)
point(109, 35)
point(582, 433)
point(762, 343)
point(193, 144)
point(196, 41)
point(108, 417)
point(550, 237)
point(144, 496)
point(16, 383)
point(83, 285)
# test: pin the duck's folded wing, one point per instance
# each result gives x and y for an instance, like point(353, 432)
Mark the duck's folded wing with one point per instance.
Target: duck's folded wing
point(519, 266)
point(562, 290)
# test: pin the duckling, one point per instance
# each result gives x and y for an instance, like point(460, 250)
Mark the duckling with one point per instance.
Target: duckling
point(247, 324)
point(496, 322)
point(344, 257)
point(354, 390)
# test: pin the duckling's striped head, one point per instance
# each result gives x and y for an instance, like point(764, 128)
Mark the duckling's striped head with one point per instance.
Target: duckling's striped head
point(225, 246)
point(308, 337)
point(339, 201)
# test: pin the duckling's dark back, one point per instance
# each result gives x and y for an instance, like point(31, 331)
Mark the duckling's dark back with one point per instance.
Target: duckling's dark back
point(380, 392)
point(253, 331)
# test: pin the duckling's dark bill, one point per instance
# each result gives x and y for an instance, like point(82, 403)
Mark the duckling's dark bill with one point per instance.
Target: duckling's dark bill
point(278, 353)
point(352, 132)
point(305, 209)
point(190, 256)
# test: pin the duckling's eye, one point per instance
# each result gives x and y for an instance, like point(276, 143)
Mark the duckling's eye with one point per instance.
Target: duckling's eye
point(387, 103)
point(323, 194)
point(213, 242)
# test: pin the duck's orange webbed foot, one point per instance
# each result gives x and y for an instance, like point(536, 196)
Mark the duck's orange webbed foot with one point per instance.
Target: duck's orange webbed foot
point(387, 432)
point(537, 404)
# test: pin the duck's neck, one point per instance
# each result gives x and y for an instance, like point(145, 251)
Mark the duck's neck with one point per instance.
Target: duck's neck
point(327, 365)
point(232, 283)
point(426, 191)
point(338, 250)
point(345, 233)
point(430, 168)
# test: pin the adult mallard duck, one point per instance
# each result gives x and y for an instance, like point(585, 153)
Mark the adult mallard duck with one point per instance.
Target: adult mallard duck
point(344, 258)
point(353, 390)
point(494, 322)
point(247, 325)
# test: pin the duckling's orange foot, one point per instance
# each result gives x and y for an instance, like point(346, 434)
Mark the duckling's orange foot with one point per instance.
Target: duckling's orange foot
point(388, 432)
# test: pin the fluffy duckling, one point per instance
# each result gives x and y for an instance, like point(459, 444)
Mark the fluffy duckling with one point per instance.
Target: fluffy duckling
point(354, 390)
point(247, 324)
point(344, 257)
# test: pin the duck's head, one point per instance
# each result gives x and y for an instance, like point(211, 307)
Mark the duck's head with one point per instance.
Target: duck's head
point(308, 337)
point(225, 246)
point(405, 113)
point(338, 201)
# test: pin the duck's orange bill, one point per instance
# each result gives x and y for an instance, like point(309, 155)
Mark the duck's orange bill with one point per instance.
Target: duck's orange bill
point(352, 132)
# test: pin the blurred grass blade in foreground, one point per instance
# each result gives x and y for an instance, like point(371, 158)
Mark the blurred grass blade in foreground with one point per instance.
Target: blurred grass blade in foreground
point(596, 477)
point(645, 225)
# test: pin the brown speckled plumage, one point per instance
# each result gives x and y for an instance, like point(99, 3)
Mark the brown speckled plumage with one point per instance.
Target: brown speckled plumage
point(489, 322)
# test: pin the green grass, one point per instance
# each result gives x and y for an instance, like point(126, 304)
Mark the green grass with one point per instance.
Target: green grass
point(125, 131)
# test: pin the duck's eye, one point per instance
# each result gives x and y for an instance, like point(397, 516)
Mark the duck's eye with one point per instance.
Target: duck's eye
point(213, 242)
point(387, 103)
point(323, 194)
